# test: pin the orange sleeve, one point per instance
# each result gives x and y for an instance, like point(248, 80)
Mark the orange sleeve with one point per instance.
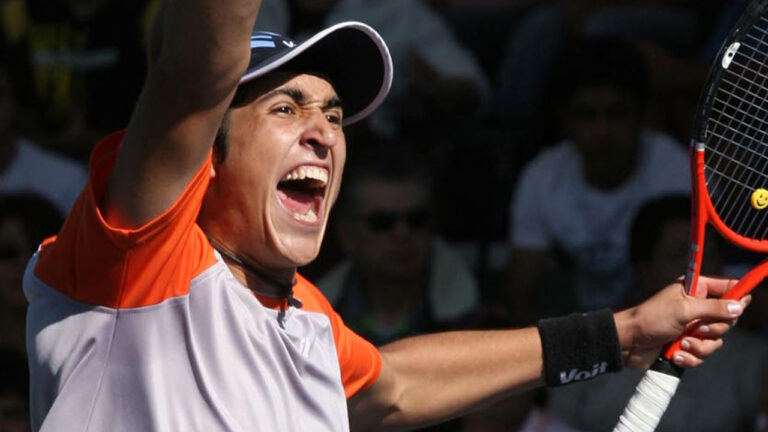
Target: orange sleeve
point(359, 360)
point(95, 263)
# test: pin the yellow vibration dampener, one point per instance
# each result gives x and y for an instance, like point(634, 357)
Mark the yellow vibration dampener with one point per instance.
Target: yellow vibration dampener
point(760, 199)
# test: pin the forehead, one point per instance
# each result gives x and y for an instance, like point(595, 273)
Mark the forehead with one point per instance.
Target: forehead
point(313, 87)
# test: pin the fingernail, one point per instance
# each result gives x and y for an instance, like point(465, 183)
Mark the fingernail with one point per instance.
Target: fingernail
point(678, 359)
point(704, 329)
point(685, 344)
point(735, 308)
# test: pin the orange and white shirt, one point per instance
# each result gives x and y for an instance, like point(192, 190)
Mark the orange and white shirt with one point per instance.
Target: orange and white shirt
point(147, 330)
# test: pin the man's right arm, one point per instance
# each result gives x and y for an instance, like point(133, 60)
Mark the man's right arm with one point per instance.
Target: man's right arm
point(430, 378)
point(198, 51)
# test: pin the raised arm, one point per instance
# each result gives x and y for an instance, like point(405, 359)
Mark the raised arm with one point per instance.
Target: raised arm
point(431, 378)
point(198, 50)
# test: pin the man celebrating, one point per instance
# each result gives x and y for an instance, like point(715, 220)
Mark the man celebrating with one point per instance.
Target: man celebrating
point(169, 300)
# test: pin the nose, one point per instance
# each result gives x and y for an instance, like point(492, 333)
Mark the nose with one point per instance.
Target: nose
point(320, 133)
point(402, 229)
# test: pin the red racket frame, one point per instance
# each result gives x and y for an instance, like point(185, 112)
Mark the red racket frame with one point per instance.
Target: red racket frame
point(703, 212)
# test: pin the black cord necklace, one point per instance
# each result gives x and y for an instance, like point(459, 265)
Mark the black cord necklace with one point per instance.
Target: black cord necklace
point(286, 289)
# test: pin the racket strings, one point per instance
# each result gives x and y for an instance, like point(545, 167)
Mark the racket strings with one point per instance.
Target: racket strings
point(743, 148)
point(730, 179)
point(742, 100)
point(741, 165)
point(737, 131)
point(732, 197)
point(732, 94)
point(743, 135)
point(730, 158)
point(724, 108)
point(750, 224)
point(747, 68)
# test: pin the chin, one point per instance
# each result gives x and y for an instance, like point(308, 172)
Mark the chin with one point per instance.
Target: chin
point(296, 249)
point(297, 242)
point(299, 255)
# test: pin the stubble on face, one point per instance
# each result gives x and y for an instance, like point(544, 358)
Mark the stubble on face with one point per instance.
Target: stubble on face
point(270, 197)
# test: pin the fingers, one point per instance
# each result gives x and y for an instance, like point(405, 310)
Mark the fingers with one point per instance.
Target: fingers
point(714, 330)
point(694, 351)
point(714, 309)
point(746, 300)
point(686, 360)
point(701, 348)
point(715, 286)
point(708, 330)
point(709, 320)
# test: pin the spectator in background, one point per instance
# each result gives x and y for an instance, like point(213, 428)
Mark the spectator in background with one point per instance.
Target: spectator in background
point(25, 167)
point(436, 78)
point(575, 201)
point(734, 377)
point(668, 30)
point(80, 65)
point(25, 220)
point(14, 391)
point(399, 278)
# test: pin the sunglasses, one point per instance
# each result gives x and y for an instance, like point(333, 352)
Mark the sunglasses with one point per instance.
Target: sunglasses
point(382, 221)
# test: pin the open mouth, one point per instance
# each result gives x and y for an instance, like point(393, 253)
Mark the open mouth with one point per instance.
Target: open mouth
point(301, 192)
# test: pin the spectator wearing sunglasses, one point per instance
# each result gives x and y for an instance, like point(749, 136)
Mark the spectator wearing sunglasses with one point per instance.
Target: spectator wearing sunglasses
point(398, 278)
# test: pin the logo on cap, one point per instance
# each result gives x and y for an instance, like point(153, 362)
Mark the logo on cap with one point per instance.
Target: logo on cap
point(263, 40)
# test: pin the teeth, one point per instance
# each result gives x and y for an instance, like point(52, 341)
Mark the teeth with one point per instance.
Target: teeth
point(308, 172)
point(310, 216)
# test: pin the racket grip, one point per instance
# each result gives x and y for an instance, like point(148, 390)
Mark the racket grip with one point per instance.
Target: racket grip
point(651, 399)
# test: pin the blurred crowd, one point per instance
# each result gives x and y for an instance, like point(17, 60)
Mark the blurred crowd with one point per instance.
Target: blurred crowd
point(530, 161)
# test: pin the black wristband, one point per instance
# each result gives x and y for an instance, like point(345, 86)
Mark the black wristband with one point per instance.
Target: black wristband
point(579, 347)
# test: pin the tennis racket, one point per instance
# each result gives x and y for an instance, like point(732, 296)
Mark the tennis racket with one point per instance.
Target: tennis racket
point(729, 169)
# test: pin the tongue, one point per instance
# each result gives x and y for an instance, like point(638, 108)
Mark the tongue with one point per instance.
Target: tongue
point(295, 201)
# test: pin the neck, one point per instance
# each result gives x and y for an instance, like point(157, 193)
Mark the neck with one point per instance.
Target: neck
point(606, 181)
point(612, 176)
point(269, 282)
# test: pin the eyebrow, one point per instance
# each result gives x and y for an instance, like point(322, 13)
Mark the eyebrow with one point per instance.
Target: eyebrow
point(300, 98)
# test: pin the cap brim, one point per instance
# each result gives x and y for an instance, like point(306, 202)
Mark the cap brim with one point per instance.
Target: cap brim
point(351, 54)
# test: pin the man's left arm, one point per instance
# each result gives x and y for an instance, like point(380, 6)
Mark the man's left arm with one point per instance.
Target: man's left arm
point(429, 379)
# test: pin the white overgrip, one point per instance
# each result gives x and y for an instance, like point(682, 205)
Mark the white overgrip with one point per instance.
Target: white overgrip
point(647, 405)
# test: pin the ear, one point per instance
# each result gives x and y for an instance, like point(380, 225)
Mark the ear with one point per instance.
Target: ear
point(213, 171)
